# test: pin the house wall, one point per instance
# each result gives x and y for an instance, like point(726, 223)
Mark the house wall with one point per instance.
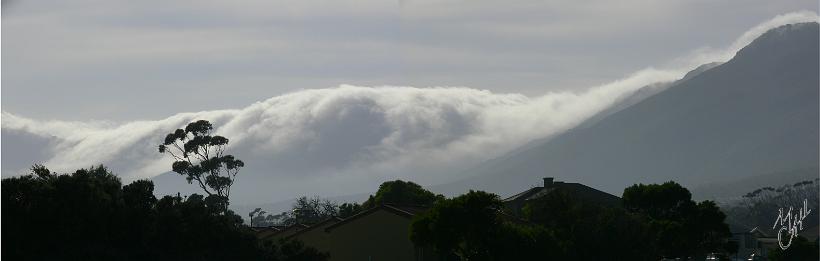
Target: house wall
point(380, 235)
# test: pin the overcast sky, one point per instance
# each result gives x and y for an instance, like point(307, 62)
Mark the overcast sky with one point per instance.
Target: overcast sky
point(128, 60)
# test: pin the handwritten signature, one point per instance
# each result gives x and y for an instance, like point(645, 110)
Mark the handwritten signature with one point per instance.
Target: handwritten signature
point(790, 225)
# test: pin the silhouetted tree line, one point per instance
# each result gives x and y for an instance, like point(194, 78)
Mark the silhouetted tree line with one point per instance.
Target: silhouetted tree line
point(658, 220)
point(761, 205)
point(89, 215)
point(311, 210)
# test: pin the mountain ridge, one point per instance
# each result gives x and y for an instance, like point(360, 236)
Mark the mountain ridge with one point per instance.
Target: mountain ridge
point(720, 121)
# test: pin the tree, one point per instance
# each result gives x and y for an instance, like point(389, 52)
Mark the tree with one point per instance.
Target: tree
point(311, 210)
point(756, 207)
point(282, 218)
point(682, 227)
point(590, 231)
point(200, 157)
point(349, 209)
point(471, 227)
point(401, 193)
point(89, 215)
point(258, 212)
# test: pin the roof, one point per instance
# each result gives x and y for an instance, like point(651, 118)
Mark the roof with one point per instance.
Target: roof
point(404, 211)
point(524, 195)
point(262, 232)
point(328, 221)
point(810, 234)
point(760, 232)
point(576, 189)
point(296, 227)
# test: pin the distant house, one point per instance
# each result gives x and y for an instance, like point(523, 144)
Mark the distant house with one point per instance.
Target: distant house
point(755, 241)
point(380, 233)
point(581, 192)
point(277, 232)
point(262, 232)
point(761, 241)
point(383, 232)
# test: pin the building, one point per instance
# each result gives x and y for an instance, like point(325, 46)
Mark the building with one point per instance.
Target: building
point(379, 233)
point(578, 191)
point(761, 241)
point(277, 232)
point(383, 232)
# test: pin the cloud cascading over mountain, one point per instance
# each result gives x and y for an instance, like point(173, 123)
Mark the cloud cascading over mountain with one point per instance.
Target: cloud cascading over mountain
point(344, 139)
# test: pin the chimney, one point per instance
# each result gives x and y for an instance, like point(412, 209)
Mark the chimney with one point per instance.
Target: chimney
point(548, 182)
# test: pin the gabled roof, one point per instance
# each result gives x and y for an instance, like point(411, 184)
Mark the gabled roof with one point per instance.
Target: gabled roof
point(292, 228)
point(266, 231)
point(578, 190)
point(761, 233)
point(524, 195)
point(325, 222)
point(404, 211)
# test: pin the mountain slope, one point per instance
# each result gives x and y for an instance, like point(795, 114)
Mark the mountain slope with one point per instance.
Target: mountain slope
point(753, 115)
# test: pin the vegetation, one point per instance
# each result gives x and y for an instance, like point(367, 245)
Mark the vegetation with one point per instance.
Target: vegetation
point(681, 227)
point(305, 211)
point(760, 206)
point(201, 157)
point(589, 231)
point(471, 227)
point(88, 215)
point(259, 219)
point(657, 220)
point(311, 210)
point(400, 192)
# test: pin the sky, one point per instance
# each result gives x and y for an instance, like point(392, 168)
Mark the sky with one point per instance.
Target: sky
point(339, 96)
point(147, 60)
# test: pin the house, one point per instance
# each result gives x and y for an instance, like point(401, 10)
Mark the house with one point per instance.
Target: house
point(383, 232)
point(755, 241)
point(277, 232)
point(761, 241)
point(515, 203)
point(379, 233)
point(262, 232)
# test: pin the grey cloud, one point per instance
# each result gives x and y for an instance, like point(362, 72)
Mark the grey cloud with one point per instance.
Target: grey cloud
point(132, 54)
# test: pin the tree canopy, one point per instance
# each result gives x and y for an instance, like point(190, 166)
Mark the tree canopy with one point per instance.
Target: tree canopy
point(657, 220)
point(472, 227)
point(201, 157)
point(400, 192)
point(591, 231)
point(682, 227)
point(88, 215)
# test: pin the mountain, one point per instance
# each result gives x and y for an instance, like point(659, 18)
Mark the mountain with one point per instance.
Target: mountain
point(731, 190)
point(754, 115)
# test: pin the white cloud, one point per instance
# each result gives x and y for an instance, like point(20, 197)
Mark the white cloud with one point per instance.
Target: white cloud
point(353, 131)
point(350, 138)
